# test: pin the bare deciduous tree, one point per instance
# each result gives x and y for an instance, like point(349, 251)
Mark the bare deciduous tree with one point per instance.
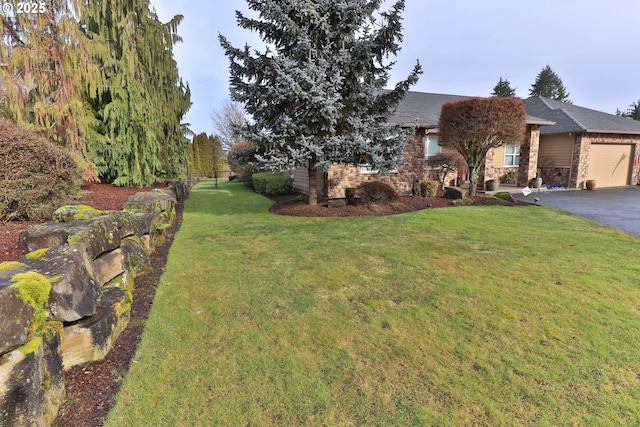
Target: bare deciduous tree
point(226, 119)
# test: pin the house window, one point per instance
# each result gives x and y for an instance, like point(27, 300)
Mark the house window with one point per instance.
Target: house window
point(366, 168)
point(431, 146)
point(511, 155)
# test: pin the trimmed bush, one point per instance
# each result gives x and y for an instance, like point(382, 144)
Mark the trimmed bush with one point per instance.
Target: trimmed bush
point(36, 176)
point(504, 195)
point(272, 183)
point(428, 188)
point(455, 193)
point(376, 191)
point(349, 192)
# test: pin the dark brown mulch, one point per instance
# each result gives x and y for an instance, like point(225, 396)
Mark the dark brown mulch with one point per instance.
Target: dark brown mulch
point(292, 205)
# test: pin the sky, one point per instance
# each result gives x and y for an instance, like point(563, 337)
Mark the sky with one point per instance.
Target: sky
point(464, 46)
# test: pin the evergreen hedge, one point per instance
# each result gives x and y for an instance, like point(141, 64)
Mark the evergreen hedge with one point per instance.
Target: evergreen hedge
point(272, 183)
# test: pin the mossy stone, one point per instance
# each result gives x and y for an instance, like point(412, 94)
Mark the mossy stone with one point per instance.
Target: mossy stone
point(75, 213)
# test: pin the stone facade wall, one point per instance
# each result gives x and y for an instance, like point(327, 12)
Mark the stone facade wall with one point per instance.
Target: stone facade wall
point(527, 169)
point(68, 300)
point(342, 177)
point(529, 151)
point(555, 176)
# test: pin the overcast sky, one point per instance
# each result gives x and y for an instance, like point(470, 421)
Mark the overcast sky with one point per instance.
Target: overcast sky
point(464, 46)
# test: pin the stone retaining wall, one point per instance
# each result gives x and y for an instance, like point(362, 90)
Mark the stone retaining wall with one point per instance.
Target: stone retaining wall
point(69, 298)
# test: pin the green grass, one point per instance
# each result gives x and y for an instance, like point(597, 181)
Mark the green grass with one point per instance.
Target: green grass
point(458, 316)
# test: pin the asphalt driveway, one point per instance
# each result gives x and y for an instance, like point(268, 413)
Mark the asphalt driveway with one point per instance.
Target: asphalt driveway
point(617, 207)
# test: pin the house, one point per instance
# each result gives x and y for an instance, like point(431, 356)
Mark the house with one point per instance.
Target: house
point(564, 143)
point(586, 144)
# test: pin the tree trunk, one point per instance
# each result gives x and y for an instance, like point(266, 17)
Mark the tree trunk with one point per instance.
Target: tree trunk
point(473, 180)
point(313, 183)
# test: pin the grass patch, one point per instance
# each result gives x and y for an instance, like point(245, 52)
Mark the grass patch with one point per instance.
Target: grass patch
point(469, 316)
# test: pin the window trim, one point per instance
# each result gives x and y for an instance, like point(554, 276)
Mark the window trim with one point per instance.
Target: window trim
point(513, 156)
point(367, 170)
point(426, 145)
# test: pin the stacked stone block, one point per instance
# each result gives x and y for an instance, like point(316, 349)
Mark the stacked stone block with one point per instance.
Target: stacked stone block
point(69, 298)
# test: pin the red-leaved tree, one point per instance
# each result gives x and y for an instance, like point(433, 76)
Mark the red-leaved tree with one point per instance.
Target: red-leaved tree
point(446, 162)
point(473, 126)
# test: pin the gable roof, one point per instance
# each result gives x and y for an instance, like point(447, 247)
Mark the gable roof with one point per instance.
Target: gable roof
point(423, 110)
point(571, 118)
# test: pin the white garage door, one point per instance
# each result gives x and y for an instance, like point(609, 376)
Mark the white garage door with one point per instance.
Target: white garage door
point(610, 164)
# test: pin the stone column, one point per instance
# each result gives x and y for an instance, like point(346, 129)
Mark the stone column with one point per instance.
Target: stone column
point(580, 161)
point(529, 155)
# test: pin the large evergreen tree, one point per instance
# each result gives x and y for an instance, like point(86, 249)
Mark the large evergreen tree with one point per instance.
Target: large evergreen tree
point(45, 64)
point(315, 93)
point(140, 100)
point(100, 77)
point(503, 89)
point(549, 85)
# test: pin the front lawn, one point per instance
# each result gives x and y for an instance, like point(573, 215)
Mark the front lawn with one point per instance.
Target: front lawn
point(452, 316)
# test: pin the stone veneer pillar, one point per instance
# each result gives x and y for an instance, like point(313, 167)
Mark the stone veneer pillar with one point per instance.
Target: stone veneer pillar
point(580, 162)
point(529, 156)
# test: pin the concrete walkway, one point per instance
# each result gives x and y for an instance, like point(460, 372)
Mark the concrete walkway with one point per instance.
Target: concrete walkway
point(617, 207)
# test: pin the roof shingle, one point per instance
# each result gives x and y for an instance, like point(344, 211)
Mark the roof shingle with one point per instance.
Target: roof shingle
point(423, 110)
point(571, 118)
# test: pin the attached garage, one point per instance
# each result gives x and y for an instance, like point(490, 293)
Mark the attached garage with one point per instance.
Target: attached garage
point(603, 146)
point(610, 164)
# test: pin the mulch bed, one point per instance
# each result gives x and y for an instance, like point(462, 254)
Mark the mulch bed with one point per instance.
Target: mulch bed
point(92, 387)
point(292, 205)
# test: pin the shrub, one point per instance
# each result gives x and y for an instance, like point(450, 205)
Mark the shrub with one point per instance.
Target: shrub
point(349, 192)
point(446, 162)
point(36, 176)
point(376, 191)
point(428, 188)
point(455, 193)
point(504, 195)
point(272, 183)
point(510, 177)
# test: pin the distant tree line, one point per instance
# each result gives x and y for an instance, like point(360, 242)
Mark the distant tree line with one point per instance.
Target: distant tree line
point(206, 157)
point(99, 77)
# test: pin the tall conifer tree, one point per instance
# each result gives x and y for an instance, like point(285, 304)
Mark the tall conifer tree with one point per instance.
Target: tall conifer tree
point(503, 89)
point(45, 63)
point(315, 94)
point(100, 77)
point(206, 157)
point(633, 112)
point(549, 85)
point(140, 100)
